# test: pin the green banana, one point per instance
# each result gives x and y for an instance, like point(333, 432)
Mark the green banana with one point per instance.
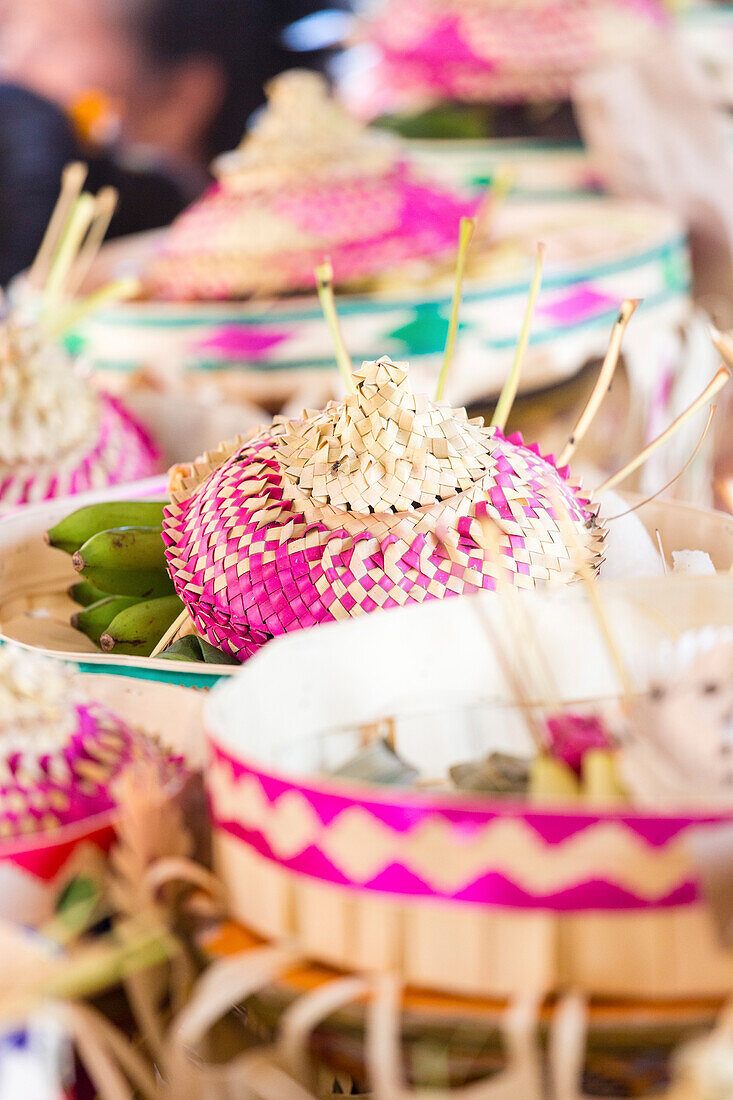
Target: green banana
point(95, 619)
point(71, 533)
point(85, 593)
point(137, 630)
point(128, 561)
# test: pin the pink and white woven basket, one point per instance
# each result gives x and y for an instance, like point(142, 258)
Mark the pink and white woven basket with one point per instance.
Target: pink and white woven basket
point(122, 451)
point(494, 50)
point(57, 810)
point(455, 890)
point(366, 226)
point(377, 502)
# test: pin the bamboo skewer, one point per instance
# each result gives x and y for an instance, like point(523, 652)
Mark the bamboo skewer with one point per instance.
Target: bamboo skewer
point(119, 291)
point(525, 640)
point(514, 682)
point(105, 205)
point(468, 226)
point(72, 181)
point(68, 249)
point(509, 392)
point(720, 379)
point(324, 283)
point(676, 477)
point(603, 383)
point(591, 584)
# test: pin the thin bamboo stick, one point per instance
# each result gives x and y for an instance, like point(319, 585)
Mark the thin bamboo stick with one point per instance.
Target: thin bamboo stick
point(468, 226)
point(603, 383)
point(509, 392)
point(720, 379)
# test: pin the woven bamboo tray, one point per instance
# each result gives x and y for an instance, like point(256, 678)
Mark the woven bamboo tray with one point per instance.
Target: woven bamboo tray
point(600, 251)
point(35, 870)
point(35, 609)
point(469, 896)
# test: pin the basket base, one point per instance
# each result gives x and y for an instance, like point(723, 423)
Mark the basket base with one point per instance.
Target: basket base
point(474, 951)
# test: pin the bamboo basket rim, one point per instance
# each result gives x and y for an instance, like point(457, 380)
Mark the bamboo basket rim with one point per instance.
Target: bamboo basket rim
point(481, 807)
point(667, 231)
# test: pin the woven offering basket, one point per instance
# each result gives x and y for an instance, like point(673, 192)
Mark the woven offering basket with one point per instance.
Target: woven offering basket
point(376, 502)
point(122, 451)
point(494, 50)
point(600, 251)
point(461, 894)
point(34, 578)
point(35, 869)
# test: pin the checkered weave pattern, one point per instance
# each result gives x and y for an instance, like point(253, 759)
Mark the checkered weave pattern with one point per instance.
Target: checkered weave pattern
point(117, 450)
point(378, 501)
point(309, 182)
point(496, 50)
point(76, 782)
point(59, 754)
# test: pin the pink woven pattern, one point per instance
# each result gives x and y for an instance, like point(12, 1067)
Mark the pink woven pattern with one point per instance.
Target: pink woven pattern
point(365, 226)
point(485, 50)
point(123, 452)
point(253, 558)
point(75, 784)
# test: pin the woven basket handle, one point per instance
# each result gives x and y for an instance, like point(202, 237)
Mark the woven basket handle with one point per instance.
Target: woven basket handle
point(116, 1069)
point(252, 1075)
point(567, 1047)
point(522, 1077)
point(304, 1015)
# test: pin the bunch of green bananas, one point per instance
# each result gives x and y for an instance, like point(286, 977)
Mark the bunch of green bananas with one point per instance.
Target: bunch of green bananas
point(127, 597)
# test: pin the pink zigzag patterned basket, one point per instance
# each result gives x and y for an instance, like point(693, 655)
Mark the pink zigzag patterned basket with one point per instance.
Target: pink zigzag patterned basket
point(473, 896)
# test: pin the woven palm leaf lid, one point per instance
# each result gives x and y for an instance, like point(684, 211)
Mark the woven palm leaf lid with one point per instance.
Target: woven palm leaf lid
point(58, 435)
point(494, 50)
point(383, 499)
point(309, 181)
point(59, 753)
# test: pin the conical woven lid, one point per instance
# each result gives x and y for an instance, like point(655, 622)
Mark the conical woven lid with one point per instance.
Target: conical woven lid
point(58, 434)
point(304, 133)
point(384, 448)
point(47, 408)
point(383, 499)
point(308, 183)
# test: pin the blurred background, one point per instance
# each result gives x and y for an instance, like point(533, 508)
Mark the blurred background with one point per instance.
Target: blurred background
point(147, 92)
